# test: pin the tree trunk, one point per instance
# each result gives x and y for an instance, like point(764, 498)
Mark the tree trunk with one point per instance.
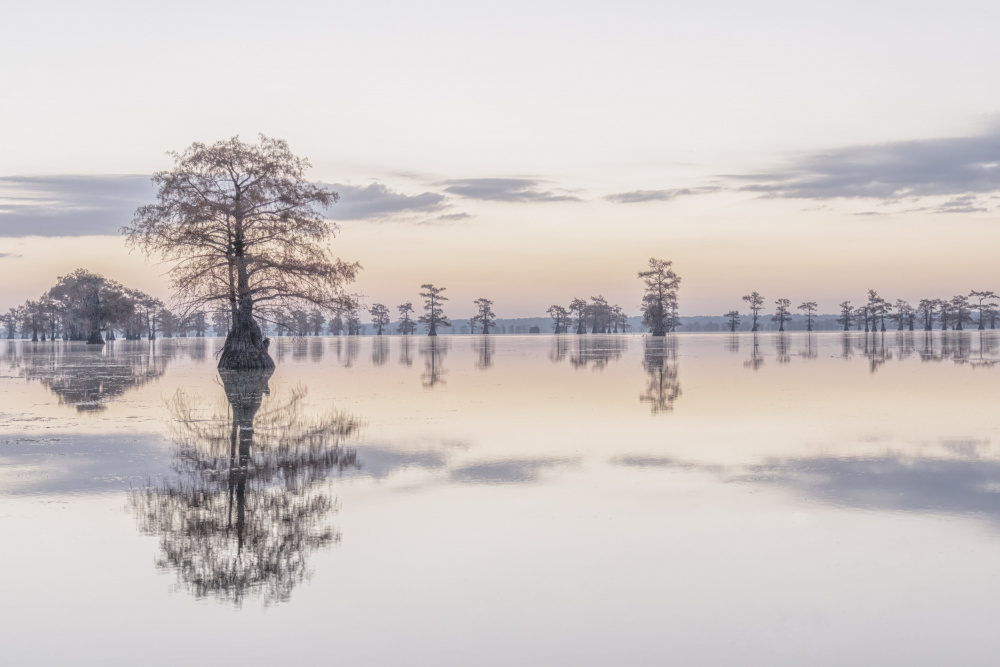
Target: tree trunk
point(245, 347)
point(95, 338)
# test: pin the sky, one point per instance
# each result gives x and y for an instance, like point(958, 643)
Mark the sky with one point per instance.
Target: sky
point(530, 152)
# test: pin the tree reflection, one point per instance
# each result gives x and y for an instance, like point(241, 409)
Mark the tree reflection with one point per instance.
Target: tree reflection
point(405, 358)
point(250, 500)
point(380, 351)
point(89, 378)
point(597, 351)
point(433, 351)
point(756, 358)
point(660, 363)
point(485, 346)
point(781, 348)
point(560, 348)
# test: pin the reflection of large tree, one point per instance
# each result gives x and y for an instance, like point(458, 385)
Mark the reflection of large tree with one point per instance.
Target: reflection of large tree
point(433, 352)
point(484, 346)
point(250, 500)
point(663, 387)
point(88, 378)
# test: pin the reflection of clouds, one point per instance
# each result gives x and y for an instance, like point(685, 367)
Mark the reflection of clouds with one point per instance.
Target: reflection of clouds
point(508, 471)
point(890, 482)
point(79, 464)
point(965, 485)
point(381, 462)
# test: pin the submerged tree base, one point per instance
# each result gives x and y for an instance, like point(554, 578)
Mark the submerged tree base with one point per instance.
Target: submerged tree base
point(246, 350)
point(95, 339)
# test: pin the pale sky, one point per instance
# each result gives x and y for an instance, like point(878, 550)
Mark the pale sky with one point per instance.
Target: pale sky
point(530, 152)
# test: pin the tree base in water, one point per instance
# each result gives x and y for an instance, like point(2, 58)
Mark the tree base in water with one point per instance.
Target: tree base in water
point(246, 350)
point(95, 339)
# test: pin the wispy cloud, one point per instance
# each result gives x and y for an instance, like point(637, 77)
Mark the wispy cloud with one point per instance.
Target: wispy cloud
point(69, 205)
point(9, 255)
point(101, 205)
point(377, 201)
point(954, 167)
point(505, 189)
point(640, 196)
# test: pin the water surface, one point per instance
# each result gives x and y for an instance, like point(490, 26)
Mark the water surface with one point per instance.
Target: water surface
point(821, 499)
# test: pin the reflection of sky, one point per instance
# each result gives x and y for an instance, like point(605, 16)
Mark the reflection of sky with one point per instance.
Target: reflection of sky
point(798, 505)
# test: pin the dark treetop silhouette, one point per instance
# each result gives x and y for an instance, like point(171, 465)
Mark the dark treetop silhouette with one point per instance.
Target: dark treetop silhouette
point(245, 230)
point(433, 316)
point(659, 303)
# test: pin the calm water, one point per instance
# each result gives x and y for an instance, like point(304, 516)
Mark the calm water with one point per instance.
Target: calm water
point(820, 499)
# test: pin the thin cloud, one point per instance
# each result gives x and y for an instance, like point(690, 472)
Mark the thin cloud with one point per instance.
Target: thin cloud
point(504, 189)
point(101, 205)
point(378, 202)
point(70, 205)
point(641, 196)
point(924, 168)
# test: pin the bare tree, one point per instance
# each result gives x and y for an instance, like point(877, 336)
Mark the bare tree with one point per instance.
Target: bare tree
point(380, 317)
point(962, 311)
point(810, 308)
point(96, 303)
point(406, 325)
point(944, 312)
point(660, 299)
point(560, 319)
point(756, 302)
point(485, 317)
point(433, 316)
point(846, 315)
point(243, 228)
point(10, 320)
point(982, 297)
point(579, 306)
point(734, 319)
point(599, 313)
point(878, 308)
point(781, 314)
point(927, 309)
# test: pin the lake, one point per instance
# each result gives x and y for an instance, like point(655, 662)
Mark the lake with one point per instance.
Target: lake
point(704, 499)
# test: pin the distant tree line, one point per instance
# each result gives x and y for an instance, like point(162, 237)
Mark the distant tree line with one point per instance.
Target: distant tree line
point(978, 308)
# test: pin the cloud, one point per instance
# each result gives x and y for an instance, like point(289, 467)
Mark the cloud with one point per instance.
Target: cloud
point(504, 189)
point(70, 205)
point(377, 201)
point(453, 217)
point(951, 167)
point(962, 204)
point(9, 255)
point(640, 196)
point(89, 205)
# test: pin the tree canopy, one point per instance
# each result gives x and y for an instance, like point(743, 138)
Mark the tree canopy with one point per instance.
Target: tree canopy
point(245, 231)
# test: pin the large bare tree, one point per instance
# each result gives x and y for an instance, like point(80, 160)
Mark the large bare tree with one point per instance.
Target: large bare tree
point(659, 303)
point(243, 227)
